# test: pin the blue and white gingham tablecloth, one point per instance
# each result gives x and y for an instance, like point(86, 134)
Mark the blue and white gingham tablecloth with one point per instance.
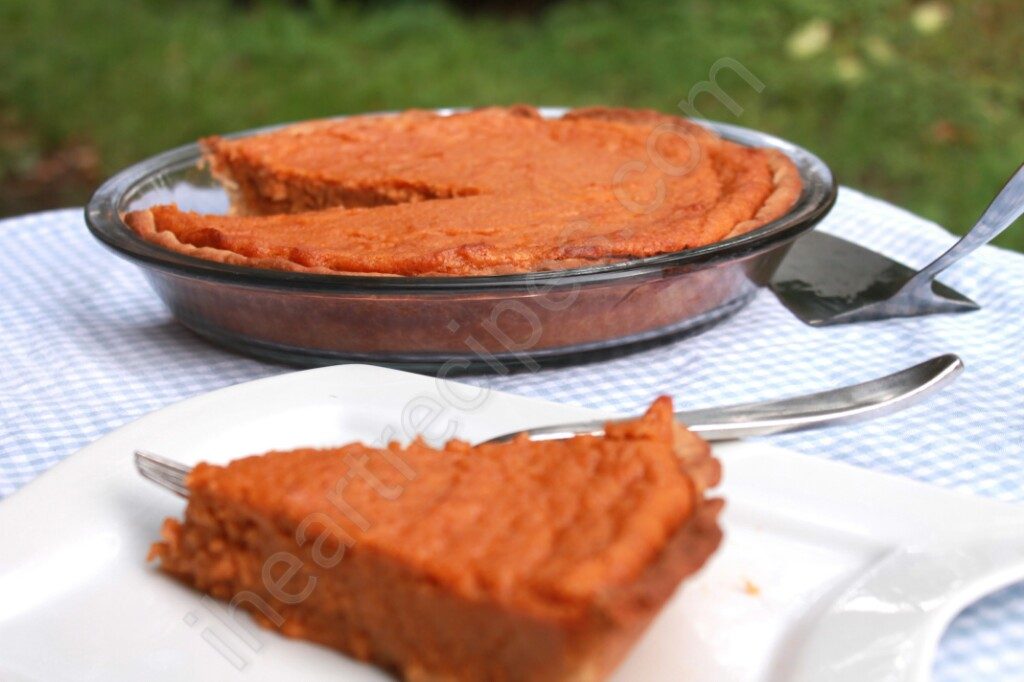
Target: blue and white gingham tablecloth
point(85, 347)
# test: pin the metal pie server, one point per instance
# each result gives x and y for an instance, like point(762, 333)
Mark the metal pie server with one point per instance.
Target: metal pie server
point(825, 280)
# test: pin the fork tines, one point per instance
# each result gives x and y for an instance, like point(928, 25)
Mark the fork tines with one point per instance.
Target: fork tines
point(163, 471)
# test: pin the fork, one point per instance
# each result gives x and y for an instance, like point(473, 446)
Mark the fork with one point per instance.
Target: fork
point(866, 400)
point(163, 471)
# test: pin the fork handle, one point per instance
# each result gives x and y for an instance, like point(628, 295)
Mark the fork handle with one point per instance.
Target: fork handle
point(842, 405)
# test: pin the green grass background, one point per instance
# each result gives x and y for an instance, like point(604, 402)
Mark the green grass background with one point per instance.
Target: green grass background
point(927, 114)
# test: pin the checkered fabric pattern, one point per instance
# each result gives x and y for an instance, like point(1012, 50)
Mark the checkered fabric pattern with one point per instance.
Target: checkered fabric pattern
point(86, 347)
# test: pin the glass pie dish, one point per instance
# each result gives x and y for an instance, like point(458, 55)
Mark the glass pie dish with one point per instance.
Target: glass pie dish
point(453, 325)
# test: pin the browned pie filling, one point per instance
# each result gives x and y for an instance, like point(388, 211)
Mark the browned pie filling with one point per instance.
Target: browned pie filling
point(490, 191)
point(515, 561)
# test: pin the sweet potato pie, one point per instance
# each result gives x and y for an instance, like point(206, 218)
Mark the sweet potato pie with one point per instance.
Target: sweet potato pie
point(483, 192)
point(513, 561)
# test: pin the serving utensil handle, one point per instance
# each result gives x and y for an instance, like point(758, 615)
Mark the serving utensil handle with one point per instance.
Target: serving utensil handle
point(1004, 210)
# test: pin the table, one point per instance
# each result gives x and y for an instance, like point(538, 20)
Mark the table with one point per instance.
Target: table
point(87, 346)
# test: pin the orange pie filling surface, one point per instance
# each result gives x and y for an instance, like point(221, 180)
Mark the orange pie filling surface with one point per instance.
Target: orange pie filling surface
point(489, 191)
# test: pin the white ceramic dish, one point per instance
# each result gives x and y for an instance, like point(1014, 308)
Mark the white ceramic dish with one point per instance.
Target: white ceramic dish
point(827, 571)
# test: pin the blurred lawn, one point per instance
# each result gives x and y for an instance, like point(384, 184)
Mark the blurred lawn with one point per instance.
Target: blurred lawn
point(922, 104)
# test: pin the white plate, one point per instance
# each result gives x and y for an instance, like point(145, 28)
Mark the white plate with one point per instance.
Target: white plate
point(826, 572)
